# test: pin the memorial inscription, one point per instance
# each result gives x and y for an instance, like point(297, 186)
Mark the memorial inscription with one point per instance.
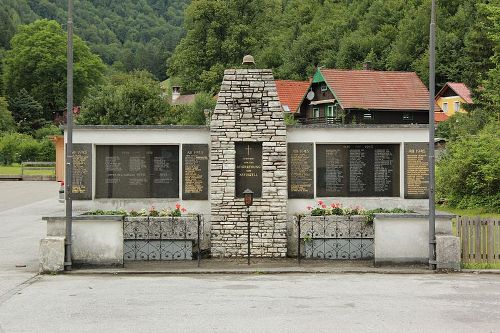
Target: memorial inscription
point(416, 170)
point(137, 172)
point(82, 171)
point(300, 171)
point(357, 170)
point(195, 172)
point(248, 168)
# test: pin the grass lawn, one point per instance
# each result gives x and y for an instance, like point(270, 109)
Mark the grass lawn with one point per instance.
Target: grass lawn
point(481, 265)
point(468, 212)
point(15, 169)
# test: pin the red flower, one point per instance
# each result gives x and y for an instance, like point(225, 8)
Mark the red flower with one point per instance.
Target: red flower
point(183, 210)
point(320, 202)
point(323, 206)
point(177, 206)
point(334, 205)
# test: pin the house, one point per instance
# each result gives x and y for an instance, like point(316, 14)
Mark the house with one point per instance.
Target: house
point(452, 97)
point(365, 96)
point(291, 93)
point(178, 99)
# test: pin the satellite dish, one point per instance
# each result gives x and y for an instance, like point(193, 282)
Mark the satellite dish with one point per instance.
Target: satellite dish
point(310, 95)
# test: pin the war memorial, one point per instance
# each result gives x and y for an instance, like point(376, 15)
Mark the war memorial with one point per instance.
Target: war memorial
point(247, 146)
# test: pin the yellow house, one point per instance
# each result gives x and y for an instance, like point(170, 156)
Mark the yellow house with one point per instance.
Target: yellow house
point(452, 97)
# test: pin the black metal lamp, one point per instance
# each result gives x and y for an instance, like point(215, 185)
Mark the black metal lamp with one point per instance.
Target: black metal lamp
point(248, 197)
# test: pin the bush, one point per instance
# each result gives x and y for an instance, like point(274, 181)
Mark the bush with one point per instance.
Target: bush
point(468, 176)
point(46, 131)
point(17, 148)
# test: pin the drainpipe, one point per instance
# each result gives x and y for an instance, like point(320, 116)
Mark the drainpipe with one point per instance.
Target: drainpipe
point(69, 143)
point(432, 181)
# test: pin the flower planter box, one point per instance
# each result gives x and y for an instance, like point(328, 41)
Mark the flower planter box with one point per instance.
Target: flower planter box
point(337, 237)
point(160, 238)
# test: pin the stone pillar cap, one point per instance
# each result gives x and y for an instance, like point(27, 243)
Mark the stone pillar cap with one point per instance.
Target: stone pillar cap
point(248, 60)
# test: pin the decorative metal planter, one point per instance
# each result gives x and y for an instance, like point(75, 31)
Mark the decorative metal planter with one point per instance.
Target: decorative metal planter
point(160, 238)
point(337, 237)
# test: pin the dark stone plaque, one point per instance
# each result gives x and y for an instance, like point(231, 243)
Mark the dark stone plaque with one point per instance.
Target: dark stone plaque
point(195, 172)
point(300, 171)
point(137, 172)
point(416, 170)
point(248, 168)
point(82, 171)
point(357, 170)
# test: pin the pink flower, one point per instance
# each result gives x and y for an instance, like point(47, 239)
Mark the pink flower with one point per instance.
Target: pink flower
point(334, 205)
point(309, 208)
point(323, 206)
point(177, 206)
point(183, 210)
point(320, 202)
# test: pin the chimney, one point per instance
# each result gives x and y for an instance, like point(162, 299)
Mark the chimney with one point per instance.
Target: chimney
point(367, 66)
point(176, 93)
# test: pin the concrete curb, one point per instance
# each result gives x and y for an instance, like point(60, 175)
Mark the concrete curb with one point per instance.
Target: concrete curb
point(481, 271)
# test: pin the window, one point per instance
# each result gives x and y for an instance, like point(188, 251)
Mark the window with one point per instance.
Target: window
point(329, 111)
point(445, 107)
point(368, 116)
point(407, 117)
point(456, 106)
point(316, 112)
point(323, 88)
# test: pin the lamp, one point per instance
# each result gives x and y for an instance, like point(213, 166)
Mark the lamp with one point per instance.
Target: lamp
point(248, 197)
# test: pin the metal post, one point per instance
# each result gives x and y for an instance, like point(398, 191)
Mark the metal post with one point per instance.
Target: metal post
point(199, 245)
point(432, 93)
point(69, 142)
point(298, 238)
point(248, 235)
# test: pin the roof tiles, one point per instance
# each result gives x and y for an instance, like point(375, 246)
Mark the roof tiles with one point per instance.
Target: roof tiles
point(367, 89)
point(291, 92)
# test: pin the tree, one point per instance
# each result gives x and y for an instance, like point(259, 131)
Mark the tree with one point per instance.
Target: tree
point(127, 99)
point(6, 121)
point(37, 63)
point(27, 112)
point(195, 114)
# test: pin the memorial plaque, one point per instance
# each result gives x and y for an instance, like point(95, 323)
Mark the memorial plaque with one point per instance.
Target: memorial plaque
point(416, 170)
point(357, 170)
point(137, 172)
point(82, 171)
point(195, 172)
point(300, 171)
point(248, 168)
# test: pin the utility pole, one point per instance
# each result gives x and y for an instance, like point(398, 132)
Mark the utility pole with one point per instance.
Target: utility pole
point(69, 142)
point(432, 179)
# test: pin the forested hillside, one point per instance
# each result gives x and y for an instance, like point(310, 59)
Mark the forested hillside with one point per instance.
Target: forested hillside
point(128, 34)
point(295, 36)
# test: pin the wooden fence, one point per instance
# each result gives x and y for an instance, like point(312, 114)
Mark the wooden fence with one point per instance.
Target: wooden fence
point(480, 239)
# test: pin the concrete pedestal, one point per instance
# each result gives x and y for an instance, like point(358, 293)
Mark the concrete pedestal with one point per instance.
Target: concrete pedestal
point(448, 253)
point(52, 254)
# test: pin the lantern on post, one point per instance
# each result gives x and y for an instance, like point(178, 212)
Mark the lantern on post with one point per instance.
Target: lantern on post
point(248, 199)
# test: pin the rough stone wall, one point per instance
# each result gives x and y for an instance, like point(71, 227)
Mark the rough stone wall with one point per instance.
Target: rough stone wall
point(248, 110)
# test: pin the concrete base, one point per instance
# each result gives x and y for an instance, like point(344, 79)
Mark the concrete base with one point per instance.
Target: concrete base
point(448, 253)
point(404, 238)
point(52, 254)
point(97, 240)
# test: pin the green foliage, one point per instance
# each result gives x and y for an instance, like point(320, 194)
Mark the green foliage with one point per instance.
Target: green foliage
point(27, 112)
point(38, 53)
point(138, 34)
point(127, 99)
point(47, 131)
point(17, 148)
point(195, 113)
point(468, 176)
point(6, 121)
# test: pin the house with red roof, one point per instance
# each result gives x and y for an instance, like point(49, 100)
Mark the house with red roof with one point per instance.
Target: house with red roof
point(365, 96)
point(452, 97)
point(291, 93)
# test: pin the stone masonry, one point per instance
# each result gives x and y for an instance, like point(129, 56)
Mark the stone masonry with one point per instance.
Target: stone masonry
point(248, 110)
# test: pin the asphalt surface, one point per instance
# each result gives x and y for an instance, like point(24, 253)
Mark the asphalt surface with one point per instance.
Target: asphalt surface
point(220, 302)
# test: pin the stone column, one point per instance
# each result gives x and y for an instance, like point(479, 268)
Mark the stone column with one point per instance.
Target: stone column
point(248, 110)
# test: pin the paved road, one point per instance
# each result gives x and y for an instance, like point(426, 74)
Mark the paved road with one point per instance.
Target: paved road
point(260, 303)
point(221, 303)
point(22, 205)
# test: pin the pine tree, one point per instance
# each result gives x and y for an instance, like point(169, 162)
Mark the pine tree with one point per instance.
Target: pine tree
point(27, 112)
